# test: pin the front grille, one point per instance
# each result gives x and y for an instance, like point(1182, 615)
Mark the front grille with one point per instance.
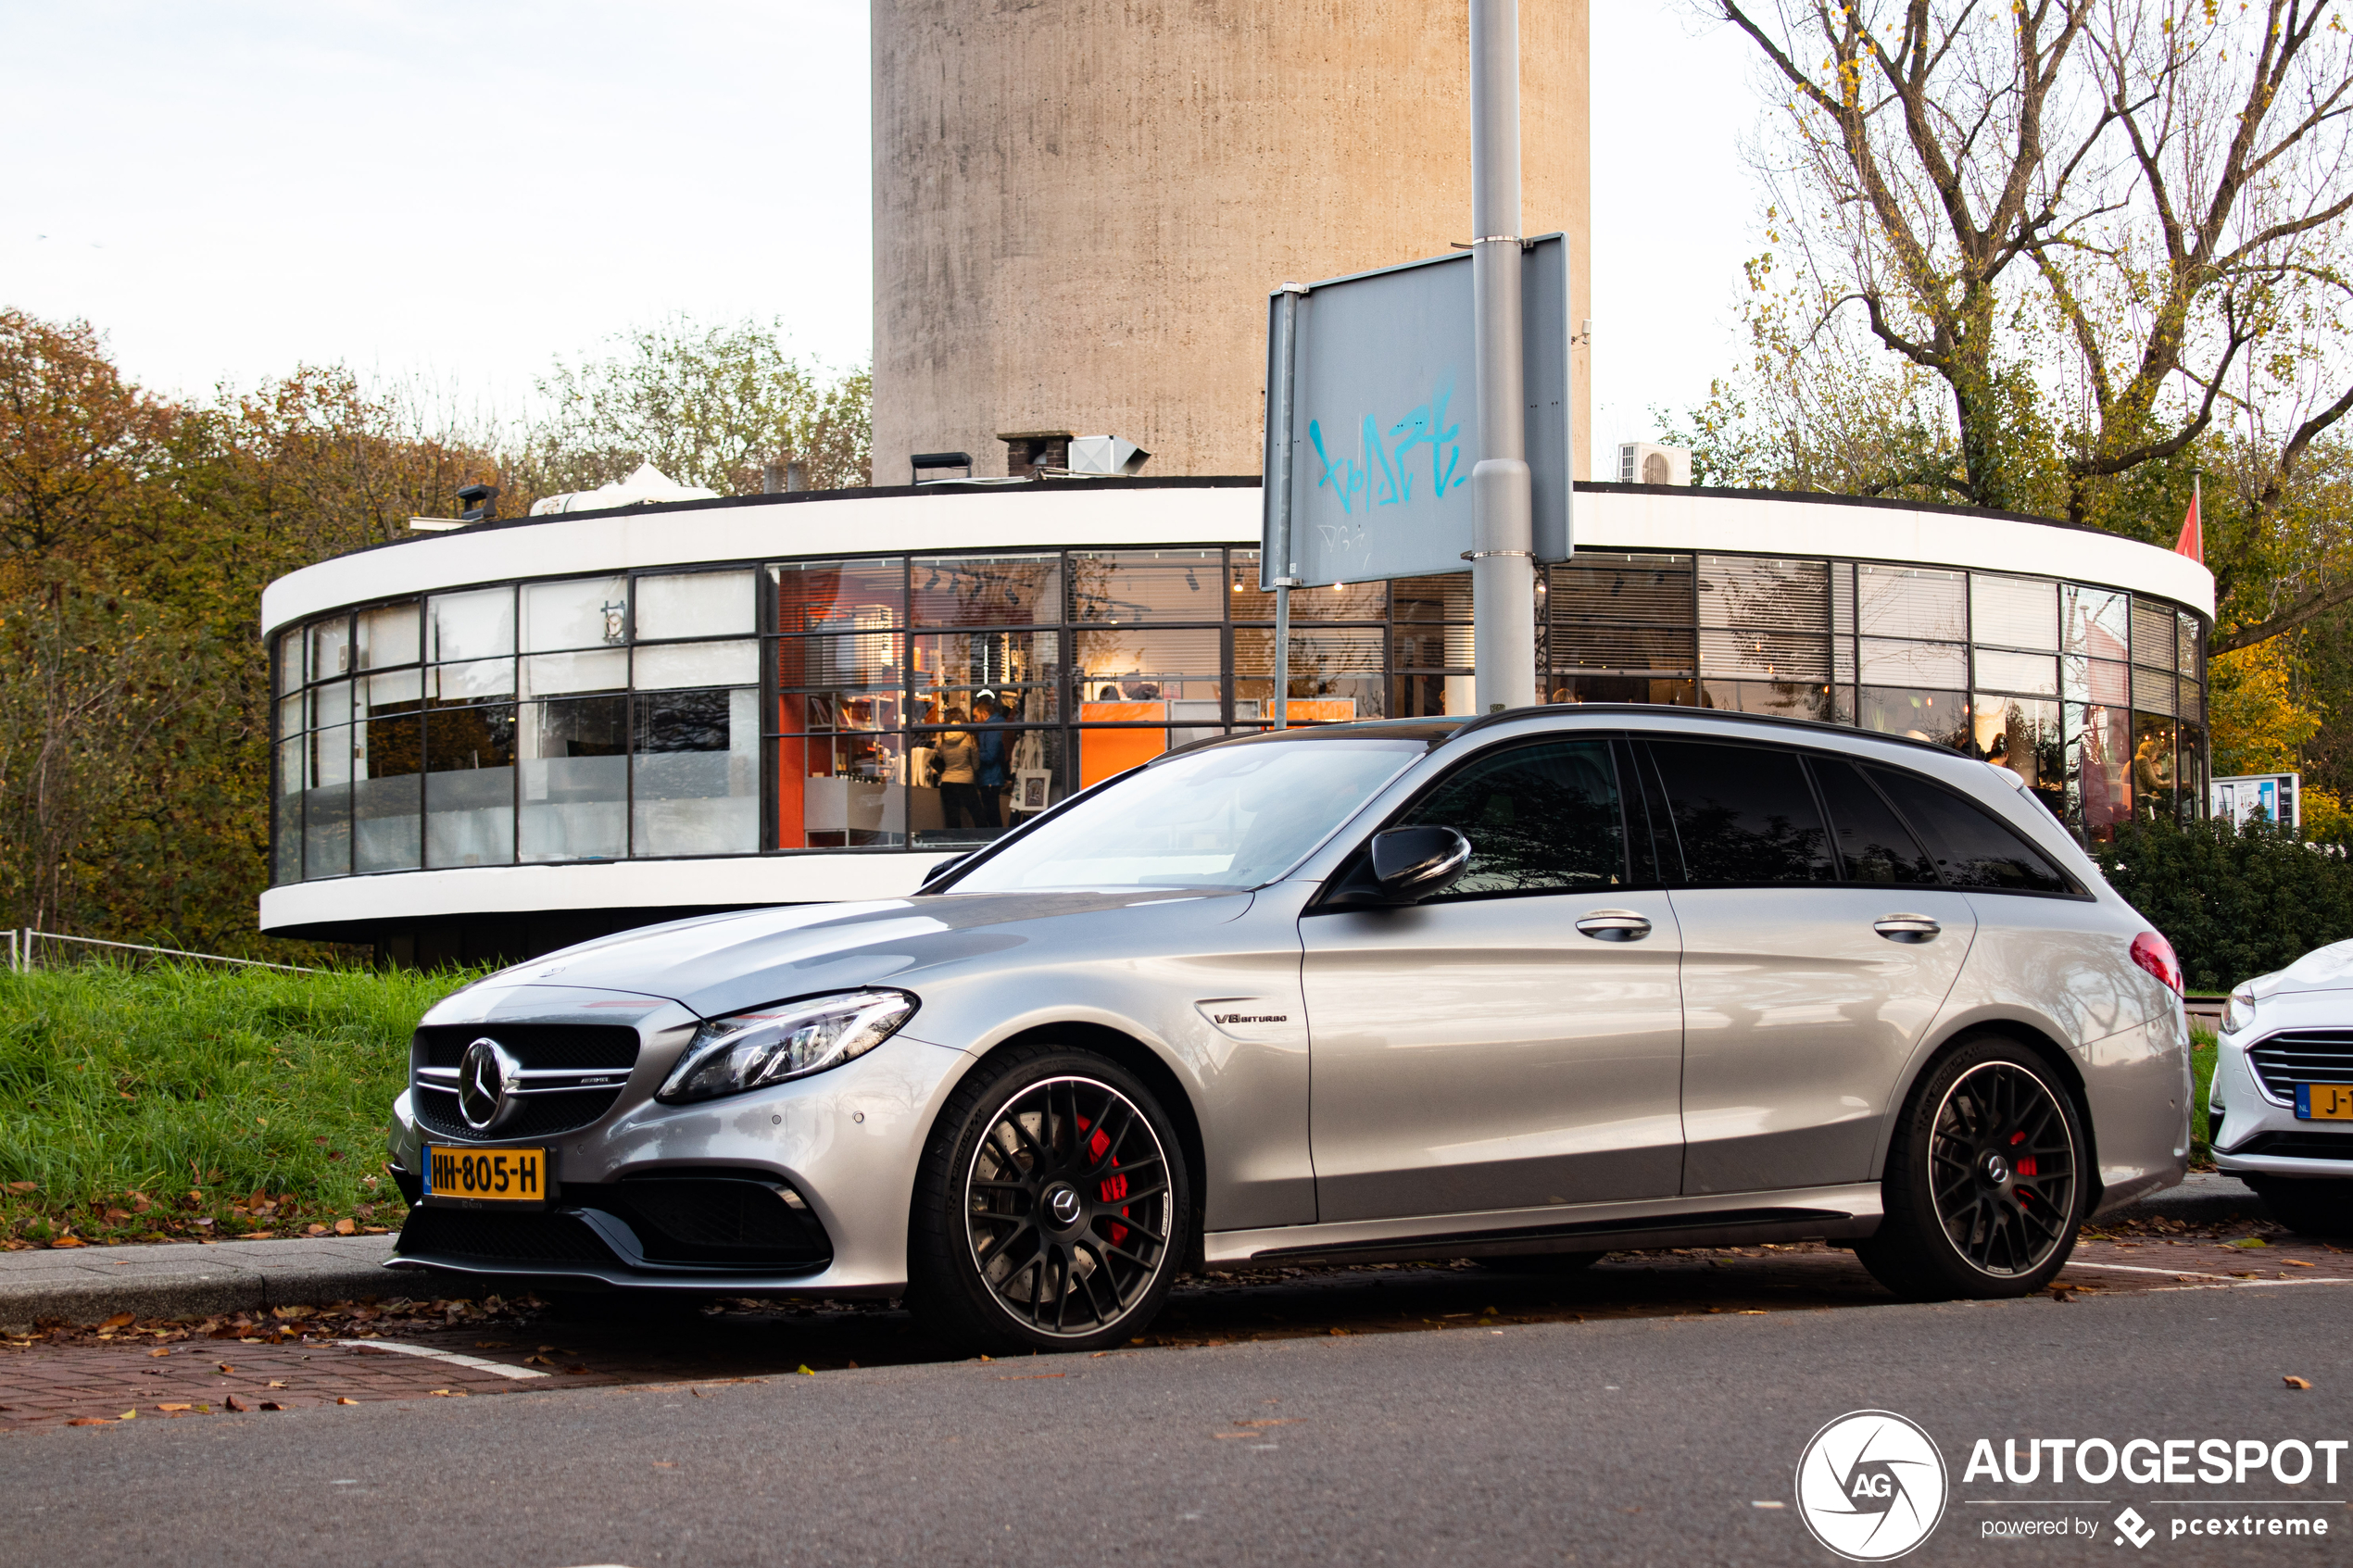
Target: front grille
point(542, 1116)
point(585, 1047)
point(2302, 1056)
point(2298, 1145)
point(501, 1238)
point(557, 1048)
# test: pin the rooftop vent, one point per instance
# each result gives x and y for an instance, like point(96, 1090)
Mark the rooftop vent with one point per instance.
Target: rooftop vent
point(922, 463)
point(1105, 453)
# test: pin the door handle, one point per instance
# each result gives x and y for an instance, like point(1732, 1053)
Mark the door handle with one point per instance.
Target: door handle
point(1907, 928)
point(1615, 925)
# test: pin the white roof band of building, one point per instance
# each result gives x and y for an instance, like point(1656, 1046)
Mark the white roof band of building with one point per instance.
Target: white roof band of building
point(1049, 515)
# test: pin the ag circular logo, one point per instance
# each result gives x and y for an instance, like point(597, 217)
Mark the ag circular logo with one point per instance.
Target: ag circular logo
point(1871, 1485)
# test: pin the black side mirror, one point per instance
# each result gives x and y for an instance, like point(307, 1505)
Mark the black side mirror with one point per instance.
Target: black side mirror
point(1411, 864)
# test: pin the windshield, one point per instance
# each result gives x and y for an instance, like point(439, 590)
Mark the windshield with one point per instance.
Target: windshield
point(1231, 816)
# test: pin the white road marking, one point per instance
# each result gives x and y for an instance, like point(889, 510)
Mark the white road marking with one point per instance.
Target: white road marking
point(453, 1356)
point(2192, 1273)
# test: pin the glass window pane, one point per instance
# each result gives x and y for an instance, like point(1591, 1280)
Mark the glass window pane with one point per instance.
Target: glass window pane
point(1541, 818)
point(2191, 769)
point(469, 786)
point(1446, 597)
point(2192, 702)
point(1887, 662)
point(695, 773)
point(1138, 665)
point(464, 683)
point(2024, 737)
point(1431, 647)
point(697, 664)
point(861, 661)
point(388, 636)
point(2099, 756)
point(326, 804)
point(1633, 649)
point(290, 660)
point(2014, 613)
point(1612, 586)
point(1773, 595)
point(388, 795)
point(2153, 690)
point(1020, 672)
point(396, 691)
point(2095, 680)
point(1341, 601)
point(576, 779)
point(290, 716)
point(1744, 814)
point(331, 704)
point(839, 596)
point(586, 612)
point(2092, 622)
point(1335, 675)
point(1910, 601)
point(695, 604)
point(559, 674)
point(2153, 634)
point(1873, 846)
point(2034, 674)
point(1776, 656)
point(331, 647)
point(1120, 587)
point(2186, 644)
point(1776, 699)
point(1972, 849)
point(986, 590)
point(285, 826)
point(480, 624)
point(2154, 782)
point(1940, 717)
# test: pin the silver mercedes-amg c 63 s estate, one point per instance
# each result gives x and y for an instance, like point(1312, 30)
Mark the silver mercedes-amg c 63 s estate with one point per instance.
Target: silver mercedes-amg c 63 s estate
point(1526, 989)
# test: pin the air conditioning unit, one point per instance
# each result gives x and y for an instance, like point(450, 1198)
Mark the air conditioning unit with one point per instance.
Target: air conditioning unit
point(1105, 454)
point(1643, 462)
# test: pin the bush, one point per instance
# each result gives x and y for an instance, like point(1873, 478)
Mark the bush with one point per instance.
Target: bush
point(2235, 903)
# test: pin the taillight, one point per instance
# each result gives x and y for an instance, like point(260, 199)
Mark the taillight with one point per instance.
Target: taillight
point(2154, 954)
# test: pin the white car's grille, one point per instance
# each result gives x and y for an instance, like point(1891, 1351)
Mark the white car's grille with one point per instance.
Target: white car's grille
point(2302, 1056)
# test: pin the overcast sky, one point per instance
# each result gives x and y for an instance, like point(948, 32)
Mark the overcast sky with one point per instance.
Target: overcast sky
point(458, 191)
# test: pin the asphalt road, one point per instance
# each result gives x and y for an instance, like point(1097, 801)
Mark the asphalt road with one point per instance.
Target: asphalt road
point(1607, 1441)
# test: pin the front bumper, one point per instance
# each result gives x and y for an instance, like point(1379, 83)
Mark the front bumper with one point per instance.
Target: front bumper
point(2255, 1133)
point(802, 1189)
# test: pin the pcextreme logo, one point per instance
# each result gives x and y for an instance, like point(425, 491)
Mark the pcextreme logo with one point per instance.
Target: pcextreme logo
point(1871, 1485)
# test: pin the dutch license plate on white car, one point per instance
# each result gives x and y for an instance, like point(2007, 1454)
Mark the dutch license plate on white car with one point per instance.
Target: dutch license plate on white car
point(2324, 1102)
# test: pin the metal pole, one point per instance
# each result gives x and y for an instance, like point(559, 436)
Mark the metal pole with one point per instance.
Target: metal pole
point(1281, 569)
point(1502, 560)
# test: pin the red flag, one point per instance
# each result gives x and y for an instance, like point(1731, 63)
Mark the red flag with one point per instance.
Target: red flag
point(2192, 540)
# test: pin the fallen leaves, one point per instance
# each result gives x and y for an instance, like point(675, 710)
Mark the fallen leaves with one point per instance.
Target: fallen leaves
point(2296, 1262)
point(176, 1408)
point(346, 1400)
point(2298, 1382)
point(90, 1420)
point(120, 1320)
point(68, 1241)
point(449, 1393)
point(159, 1351)
point(233, 1402)
point(345, 1227)
point(271, 1405)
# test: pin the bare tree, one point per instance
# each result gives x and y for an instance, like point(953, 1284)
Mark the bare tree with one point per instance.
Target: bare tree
point(2106, 226)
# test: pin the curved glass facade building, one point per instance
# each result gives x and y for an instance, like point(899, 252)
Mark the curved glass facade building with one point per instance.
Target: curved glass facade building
point(494, 741)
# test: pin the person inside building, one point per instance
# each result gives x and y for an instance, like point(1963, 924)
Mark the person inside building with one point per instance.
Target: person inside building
point(957, 758)
point(991, 774)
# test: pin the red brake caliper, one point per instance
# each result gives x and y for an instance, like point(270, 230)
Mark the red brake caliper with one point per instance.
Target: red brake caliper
point(1115, 1187)
point(2025, 1167)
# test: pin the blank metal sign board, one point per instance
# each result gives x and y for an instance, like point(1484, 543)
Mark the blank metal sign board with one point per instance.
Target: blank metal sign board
point(1382, 418)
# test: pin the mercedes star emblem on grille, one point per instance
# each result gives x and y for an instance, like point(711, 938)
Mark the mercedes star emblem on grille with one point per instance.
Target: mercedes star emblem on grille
point(487, 1073)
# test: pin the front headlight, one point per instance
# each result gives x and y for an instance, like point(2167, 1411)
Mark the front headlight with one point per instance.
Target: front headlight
point(783, 1040)
point(2239, 1011)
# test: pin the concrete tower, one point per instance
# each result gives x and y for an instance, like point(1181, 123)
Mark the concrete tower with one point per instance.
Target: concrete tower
point(1079, 205)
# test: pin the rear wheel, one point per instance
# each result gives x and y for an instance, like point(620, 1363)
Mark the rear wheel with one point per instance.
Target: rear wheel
point(1984, 1191)
point(2309, 1206)
point(1051, 1208)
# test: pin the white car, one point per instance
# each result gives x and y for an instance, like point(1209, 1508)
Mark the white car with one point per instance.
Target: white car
point(2282, 1104)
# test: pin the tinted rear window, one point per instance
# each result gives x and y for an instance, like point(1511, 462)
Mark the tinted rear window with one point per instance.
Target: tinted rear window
point(1873, 843)
point(1744, 815)
point(1972, 847)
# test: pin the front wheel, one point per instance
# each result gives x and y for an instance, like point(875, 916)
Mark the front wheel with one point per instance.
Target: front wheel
point(1984, 1186)
point(1052, 1208)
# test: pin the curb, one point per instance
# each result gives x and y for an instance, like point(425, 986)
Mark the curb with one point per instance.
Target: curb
point(2206, 1197)
point(177, 1280)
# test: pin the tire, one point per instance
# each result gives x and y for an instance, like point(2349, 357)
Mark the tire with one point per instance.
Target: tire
point(2309, 1206)
point(1985, 1187)
point(1052, 1209)
point(1538, 1264)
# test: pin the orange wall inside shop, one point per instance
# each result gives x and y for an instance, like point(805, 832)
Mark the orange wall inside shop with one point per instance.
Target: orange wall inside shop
point(1102, 753)
point(792, 766)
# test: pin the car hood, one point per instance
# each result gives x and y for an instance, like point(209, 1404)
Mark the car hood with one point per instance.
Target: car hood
point(715, 964)
point(2323, 968)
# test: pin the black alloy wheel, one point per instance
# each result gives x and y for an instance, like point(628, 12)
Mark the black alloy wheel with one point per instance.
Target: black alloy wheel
point(1983, 1192)
point(2002, 1164)
point(1052, 1209)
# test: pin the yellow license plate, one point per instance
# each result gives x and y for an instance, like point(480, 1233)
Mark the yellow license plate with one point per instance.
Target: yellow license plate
point(516, 1176)
point(2324, 1102)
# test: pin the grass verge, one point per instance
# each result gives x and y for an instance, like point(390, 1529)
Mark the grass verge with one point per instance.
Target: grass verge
point(176, 1102)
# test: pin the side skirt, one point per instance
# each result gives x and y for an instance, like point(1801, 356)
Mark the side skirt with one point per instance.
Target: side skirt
point(1840, 1213)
